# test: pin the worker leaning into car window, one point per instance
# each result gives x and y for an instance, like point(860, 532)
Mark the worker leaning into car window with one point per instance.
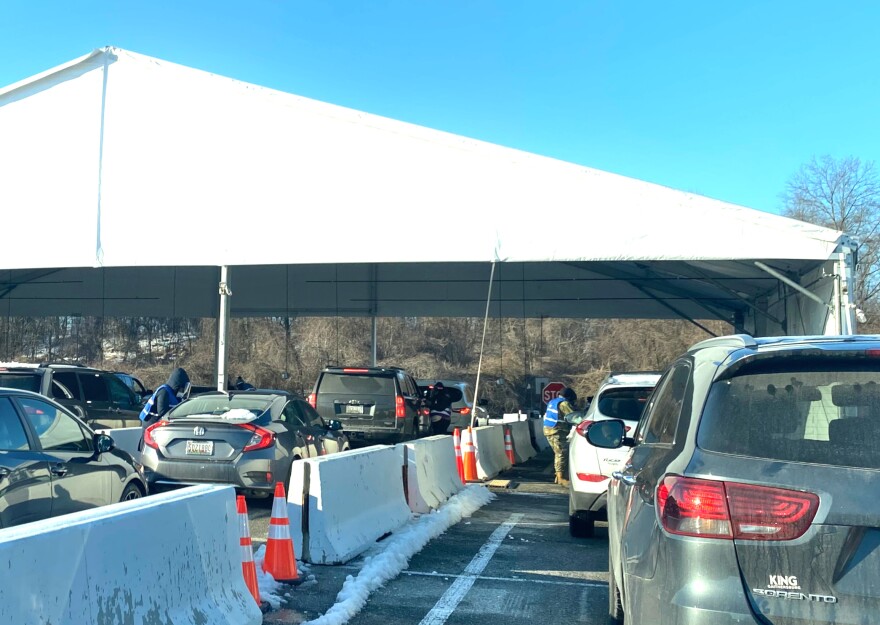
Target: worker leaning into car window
point(439, 404)
point(166, 397)
point(556, 430)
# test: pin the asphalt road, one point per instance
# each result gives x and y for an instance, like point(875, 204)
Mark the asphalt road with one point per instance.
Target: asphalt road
point(512, 562)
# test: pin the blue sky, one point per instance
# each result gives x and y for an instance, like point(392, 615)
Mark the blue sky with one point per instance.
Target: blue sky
point(723, 99)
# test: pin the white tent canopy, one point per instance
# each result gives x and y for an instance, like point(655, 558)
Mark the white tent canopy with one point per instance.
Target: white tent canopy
point(127, 182)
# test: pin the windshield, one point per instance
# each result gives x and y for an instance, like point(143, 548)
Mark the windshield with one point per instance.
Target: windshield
point(825, 412)
point(235, 408)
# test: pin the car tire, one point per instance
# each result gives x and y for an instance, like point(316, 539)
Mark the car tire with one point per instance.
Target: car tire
point(131, 492)
point(581, 525)
point(615, 606)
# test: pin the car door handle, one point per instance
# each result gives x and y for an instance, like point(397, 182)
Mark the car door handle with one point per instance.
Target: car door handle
point(627, 478)
point(58, 469)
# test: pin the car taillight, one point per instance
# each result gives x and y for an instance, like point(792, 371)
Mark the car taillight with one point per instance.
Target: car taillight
point(591, 477)
point(312, 399)
point(260, 438)
point(354, 370)
point(400, 407)
point(465, 410)
point(149, 441)
point(582, 427)
point(710, 508)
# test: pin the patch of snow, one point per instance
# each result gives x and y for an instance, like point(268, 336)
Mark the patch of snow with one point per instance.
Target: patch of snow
point(269, 589)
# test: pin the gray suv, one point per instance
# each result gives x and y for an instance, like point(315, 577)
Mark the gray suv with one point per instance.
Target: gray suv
point(378, 404)
point(97, 397)
point(750, 492)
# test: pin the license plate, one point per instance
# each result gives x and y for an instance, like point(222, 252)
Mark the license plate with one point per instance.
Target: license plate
point(200, 448)
point(354, 409)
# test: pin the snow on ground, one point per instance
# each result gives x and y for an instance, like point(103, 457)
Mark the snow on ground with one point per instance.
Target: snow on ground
point(389, 557)
point(270, 590)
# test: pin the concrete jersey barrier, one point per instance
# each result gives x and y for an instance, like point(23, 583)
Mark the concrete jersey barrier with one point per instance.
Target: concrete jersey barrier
point(540, 441)
point(339, 505)
point(431, 472)
point(170, 558)
point(491, 457)
point(126, 439)
point(522, 441)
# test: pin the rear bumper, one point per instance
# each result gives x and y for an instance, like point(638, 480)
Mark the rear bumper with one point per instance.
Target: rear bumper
point(586, 502)
point(257, 475)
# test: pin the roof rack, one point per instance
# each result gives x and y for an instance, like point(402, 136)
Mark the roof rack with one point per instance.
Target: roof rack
point(734, 340)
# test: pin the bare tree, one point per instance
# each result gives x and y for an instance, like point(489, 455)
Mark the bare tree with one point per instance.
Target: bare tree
point(843, 194)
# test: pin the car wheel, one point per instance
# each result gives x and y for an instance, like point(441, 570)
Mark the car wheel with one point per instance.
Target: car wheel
point(581, 524)
point(132, 491)
point(615, 606)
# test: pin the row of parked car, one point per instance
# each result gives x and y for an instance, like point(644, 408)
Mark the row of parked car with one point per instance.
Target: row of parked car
point(54, 458)
point(740, 485)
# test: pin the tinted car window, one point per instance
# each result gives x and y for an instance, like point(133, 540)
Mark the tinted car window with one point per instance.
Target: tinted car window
point(292, 414)
point(12, 436)
point(57, 430)
point(825, 414)
point(24, 381)
point(309, 414)
point(94, 387)
point(624, 403)
point(665, 406)
point(68, 380)
point(119, 392)
point(357, 384)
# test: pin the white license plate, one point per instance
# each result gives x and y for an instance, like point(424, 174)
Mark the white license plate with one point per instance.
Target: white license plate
point(200, 448)
point(354, 410)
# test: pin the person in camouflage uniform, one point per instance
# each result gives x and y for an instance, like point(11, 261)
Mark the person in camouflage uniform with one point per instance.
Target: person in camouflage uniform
point(556, 430)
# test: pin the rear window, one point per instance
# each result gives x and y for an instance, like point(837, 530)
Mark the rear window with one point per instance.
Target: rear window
point(356, 384)
point(23, 381)
point(624, 403)
point(235, 408)
point(825, 412)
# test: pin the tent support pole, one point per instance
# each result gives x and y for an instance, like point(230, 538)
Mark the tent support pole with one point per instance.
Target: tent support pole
point(373, 339)
point(786, 280)
point(482, 344)
point(223, 326)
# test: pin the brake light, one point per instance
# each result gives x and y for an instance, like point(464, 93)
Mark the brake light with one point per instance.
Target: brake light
point(710, 508)
point(149, 441)
point(355, 370)
point(260, 438)
point(872, 352)
point(400, 407)
point(312, 399)
point(582, 427)
point(591, 477)
point(466, 410)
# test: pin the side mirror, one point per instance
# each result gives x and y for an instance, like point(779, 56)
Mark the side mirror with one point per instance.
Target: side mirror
point(610, 434)
point(333, 425)
point(104, 443)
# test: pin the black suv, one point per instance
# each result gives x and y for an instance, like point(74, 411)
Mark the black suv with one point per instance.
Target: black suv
point(373, 403)
point(98, 397)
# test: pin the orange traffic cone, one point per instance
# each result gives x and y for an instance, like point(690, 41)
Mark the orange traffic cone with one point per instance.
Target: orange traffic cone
point(508, 446)
point(456, 441)
point(280, 562)
point(248, 568)
point(470, 456)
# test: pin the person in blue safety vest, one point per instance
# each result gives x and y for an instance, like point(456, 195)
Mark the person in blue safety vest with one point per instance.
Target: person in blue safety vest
point(556, 430)
point(166, 397)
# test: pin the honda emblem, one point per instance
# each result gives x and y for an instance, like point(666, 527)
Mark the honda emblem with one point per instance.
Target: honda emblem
point(198, 431)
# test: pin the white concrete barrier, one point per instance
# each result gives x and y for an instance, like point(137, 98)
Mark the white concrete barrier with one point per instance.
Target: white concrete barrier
point(126, 439)
point(170, 558)
point(522, 441)
point(339, 505)
point(491, 457)
point(540, 441)
point(431, 472)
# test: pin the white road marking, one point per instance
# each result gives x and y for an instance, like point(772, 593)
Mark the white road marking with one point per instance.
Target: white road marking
point(526, 580)
point(454, 594)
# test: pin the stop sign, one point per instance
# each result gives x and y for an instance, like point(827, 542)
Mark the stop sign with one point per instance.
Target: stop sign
point(551, 391)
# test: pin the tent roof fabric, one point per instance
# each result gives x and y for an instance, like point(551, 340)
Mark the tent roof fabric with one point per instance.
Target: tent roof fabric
point(229, 173)
point(129, 180)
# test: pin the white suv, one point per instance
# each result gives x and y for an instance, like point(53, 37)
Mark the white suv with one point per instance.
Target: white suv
point(620, 396)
